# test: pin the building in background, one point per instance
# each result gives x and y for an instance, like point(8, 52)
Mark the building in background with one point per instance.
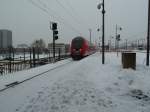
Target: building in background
point(63, 47)
point(5, 38)
point(22, 46)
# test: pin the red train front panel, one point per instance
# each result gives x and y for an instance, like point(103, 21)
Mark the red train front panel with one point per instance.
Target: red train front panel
point(79, 48)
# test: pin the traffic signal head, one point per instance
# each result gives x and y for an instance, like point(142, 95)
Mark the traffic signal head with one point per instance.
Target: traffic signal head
point(118, 37)
point(55, 32)
point(54, 26)
point(56, 37)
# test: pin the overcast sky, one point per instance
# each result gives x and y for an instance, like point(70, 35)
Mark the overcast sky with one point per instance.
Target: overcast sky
point(30, 19)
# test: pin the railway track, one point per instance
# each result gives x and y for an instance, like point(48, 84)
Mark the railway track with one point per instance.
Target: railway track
point(15, 83)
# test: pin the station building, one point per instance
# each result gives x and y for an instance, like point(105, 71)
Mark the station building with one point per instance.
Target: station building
point(63, 47)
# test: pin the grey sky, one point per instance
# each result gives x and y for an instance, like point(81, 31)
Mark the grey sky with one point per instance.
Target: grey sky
point(74, 18)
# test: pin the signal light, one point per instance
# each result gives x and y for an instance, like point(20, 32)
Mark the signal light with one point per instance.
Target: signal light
point(55, 37)
point(54, 26)
point(118, 37)
point(80, 50)
point(55, 32)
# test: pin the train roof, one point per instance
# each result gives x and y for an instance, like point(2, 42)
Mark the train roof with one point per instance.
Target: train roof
point(79, 37)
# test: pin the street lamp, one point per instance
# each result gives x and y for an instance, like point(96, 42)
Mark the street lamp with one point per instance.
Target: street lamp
point(103, 28)
point(148, 31)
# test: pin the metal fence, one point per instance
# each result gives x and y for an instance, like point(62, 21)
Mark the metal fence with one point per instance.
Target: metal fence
point(13, 60)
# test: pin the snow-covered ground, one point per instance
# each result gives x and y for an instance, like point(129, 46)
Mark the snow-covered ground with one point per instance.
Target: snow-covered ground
point(80, 86)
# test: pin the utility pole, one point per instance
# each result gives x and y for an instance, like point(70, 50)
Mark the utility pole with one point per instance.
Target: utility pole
point(117, 38)
point(103, 30)
point(126, 44)
point(109, 44)
point(103, 35)
point(147, 58)
point(90, 30)
point(53, 47)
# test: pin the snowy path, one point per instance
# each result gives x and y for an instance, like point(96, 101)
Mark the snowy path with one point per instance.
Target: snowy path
point(27, 74)
point(83, 86)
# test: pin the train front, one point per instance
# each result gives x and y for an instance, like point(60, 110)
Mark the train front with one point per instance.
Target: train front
point(77, 48)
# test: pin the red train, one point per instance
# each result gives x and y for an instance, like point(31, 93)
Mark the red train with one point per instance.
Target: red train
point(80, 48)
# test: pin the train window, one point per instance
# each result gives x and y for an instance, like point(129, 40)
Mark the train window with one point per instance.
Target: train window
point(77, 43)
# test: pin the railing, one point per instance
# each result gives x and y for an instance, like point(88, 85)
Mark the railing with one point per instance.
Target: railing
point(14, 66)
point(28, 60)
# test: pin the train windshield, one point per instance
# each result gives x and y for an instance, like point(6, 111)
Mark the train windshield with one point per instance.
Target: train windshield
point(77, 43)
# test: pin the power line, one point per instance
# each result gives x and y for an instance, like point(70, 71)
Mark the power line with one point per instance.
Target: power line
point(38, 6)
point(59, 17)
point(74, 11)
point(45, 10)
point(69, 13)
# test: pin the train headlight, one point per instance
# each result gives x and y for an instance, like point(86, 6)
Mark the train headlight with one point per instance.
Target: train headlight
point(80, 50)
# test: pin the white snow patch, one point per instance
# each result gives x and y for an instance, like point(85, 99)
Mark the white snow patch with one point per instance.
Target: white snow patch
point(86, 86)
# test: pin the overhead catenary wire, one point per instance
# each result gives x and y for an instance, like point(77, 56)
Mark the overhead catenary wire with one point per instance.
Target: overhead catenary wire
point(68, 12)
point(57, 17)
point(38, 6)
point(79, 22)
point(43, 7)
point(75, 13)
point(68, 3)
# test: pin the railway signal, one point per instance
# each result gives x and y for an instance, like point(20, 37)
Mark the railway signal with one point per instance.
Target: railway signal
point(53, 27)
point(55, 32)
point(118, 37)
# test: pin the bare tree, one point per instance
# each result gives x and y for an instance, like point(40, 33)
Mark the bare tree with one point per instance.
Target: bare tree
point(39, 45)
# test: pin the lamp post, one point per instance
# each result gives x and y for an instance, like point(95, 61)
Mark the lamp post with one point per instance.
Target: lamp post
point(117, 36)
point(148, 44)
point(103, 29)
